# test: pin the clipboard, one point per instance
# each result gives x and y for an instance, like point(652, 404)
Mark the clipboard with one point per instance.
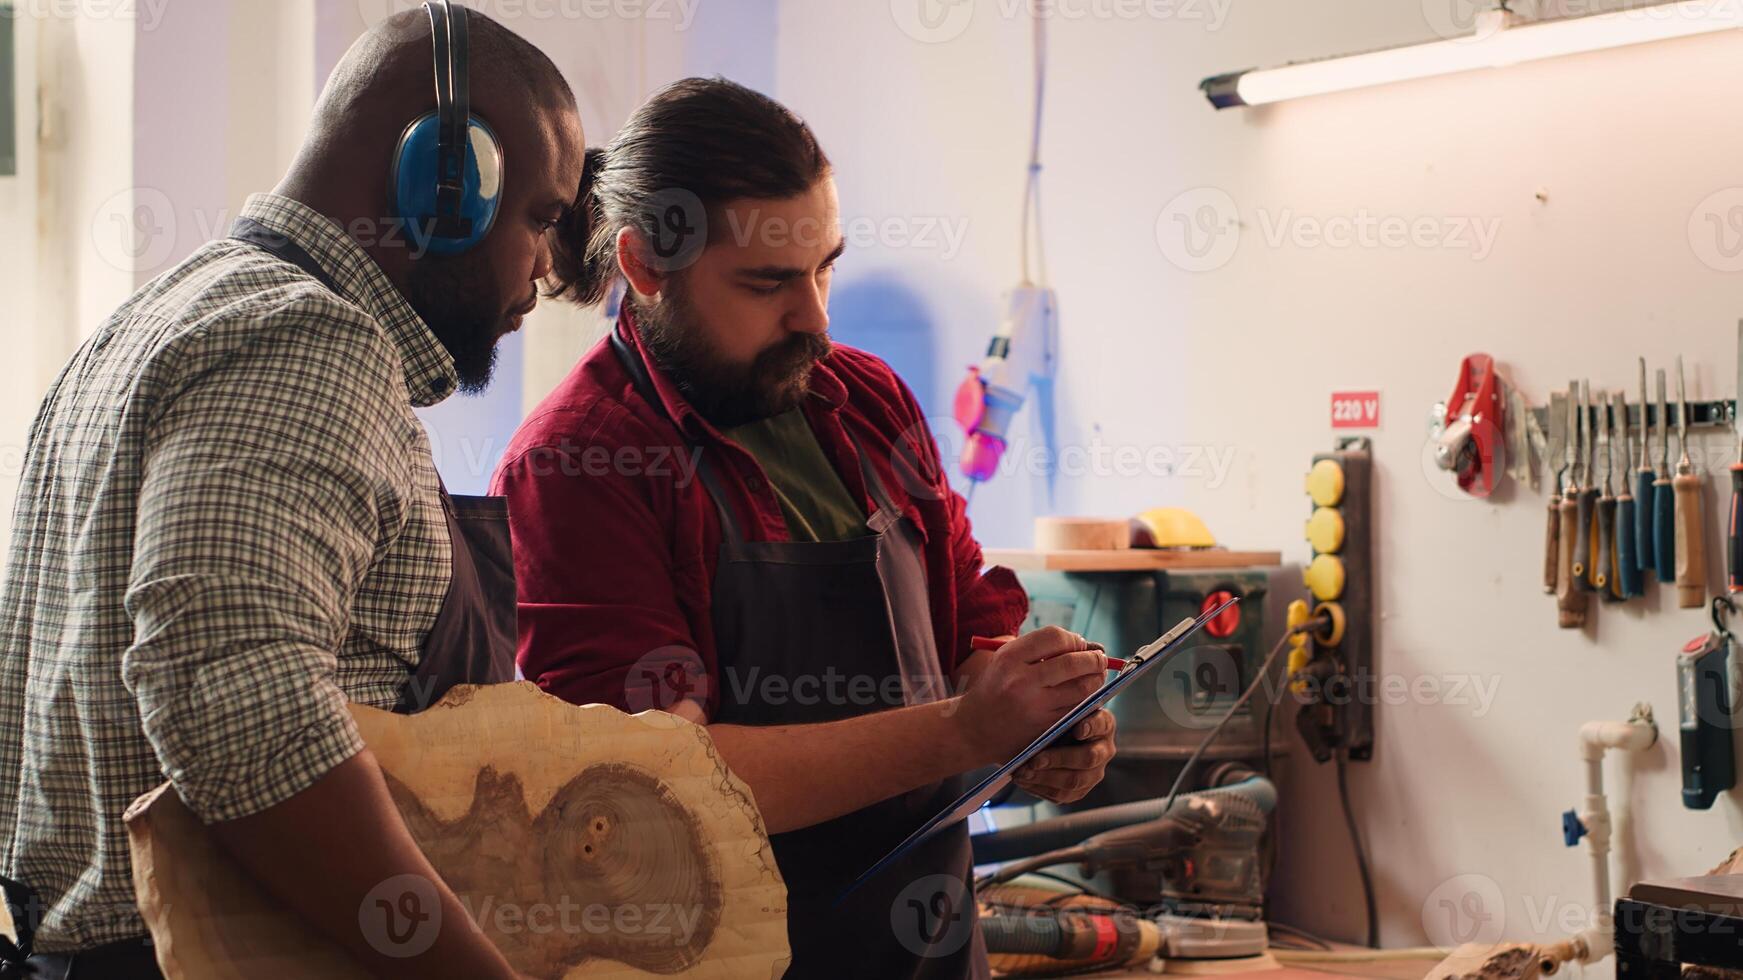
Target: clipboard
point(1160, 649)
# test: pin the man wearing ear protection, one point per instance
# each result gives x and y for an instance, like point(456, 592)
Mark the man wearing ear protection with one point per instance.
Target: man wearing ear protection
point(230, 523)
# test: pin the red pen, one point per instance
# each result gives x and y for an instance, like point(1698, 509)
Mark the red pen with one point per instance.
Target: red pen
point(988, 643)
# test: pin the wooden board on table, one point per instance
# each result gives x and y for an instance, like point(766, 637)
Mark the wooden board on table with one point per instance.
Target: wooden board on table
point(1129, 560)
point(551, 822)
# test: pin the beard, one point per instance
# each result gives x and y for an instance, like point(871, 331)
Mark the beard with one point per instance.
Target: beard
point(458, 301)
point(725, 394)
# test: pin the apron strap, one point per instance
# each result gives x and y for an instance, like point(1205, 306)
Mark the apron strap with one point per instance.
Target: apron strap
point(644, 385)
point(887, 513)
point(256, 234)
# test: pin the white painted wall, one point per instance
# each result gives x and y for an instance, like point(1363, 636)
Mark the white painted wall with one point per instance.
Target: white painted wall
point(18, 274)
point(1240, 360)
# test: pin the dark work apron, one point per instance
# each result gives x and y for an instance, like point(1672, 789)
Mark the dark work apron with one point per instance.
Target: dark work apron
point(811, 632)
point(472, 642)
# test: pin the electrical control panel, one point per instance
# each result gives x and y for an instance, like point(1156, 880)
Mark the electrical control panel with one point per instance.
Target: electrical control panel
point(1332, 671)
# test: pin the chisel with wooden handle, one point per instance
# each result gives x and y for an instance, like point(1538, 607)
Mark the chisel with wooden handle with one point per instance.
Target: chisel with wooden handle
point(1570, 600)
point(1691, 551)
point(1555, 460)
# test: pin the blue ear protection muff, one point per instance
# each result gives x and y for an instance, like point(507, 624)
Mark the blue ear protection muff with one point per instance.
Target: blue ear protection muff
point(446, 181)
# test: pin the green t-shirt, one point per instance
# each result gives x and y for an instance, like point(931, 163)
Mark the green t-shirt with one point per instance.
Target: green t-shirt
point(816, 504)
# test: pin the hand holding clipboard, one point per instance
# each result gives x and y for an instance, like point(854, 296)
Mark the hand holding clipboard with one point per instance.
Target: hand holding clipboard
point(1164, 647)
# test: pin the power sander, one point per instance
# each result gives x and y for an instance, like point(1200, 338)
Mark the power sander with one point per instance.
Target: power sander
point(1187, 883)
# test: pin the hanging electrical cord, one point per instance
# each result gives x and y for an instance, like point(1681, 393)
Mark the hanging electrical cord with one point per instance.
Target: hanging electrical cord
point(1032, 183)
point(1259, 678)
point(1361, 852)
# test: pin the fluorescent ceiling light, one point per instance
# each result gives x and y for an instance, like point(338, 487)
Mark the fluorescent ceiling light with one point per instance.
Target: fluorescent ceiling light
point(1499, 39)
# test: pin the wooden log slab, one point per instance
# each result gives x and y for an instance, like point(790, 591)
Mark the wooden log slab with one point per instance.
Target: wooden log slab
point(584, 841)
point(1082, 534)
point(1490, 961)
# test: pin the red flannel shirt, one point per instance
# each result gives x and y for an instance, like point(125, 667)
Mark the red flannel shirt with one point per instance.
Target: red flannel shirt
point(616, 540)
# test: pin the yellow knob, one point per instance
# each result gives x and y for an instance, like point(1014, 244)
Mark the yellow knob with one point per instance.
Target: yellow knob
point(1299, 654)
point(1296, 614)
point(1325, 483)
point(1325, 530)
point(1325, 577)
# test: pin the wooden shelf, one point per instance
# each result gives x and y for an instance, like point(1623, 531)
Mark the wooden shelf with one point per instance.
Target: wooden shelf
point(1127, 560)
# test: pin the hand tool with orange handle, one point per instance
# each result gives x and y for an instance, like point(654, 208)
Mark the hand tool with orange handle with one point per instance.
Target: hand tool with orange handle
point(1691, 551)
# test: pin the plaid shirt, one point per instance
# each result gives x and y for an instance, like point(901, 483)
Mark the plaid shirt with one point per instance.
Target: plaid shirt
point(229, 524)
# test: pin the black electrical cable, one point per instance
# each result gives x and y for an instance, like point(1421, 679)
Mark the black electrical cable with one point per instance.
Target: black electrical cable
point(1361, 852)
point(1017, 869)
point(1192, 760)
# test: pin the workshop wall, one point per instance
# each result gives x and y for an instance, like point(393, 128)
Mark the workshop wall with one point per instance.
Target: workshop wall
point(1589, 172)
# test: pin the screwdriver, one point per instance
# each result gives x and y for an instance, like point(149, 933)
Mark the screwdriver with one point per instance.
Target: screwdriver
point(1630, 580)
point(1663, 499)
point(1691, 554)
point(1643, 488)
point(1734, 576)
point(1570, 601)
point(1585, 521)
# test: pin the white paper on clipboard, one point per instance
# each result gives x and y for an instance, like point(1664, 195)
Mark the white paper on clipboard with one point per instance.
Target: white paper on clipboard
point(1154, 653)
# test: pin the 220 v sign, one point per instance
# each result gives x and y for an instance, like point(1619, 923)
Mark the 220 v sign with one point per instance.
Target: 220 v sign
point(1355, 410)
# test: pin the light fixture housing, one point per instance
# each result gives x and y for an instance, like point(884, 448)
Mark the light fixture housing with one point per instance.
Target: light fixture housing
point(1499, 38)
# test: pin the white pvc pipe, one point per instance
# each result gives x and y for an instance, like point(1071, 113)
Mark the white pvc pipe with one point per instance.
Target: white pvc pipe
point(1596, 737)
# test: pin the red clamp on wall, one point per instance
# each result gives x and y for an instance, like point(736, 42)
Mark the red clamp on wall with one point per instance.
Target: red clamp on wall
point(1472, 445)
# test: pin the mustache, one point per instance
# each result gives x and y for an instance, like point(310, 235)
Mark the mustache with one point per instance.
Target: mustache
point(794, 354)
